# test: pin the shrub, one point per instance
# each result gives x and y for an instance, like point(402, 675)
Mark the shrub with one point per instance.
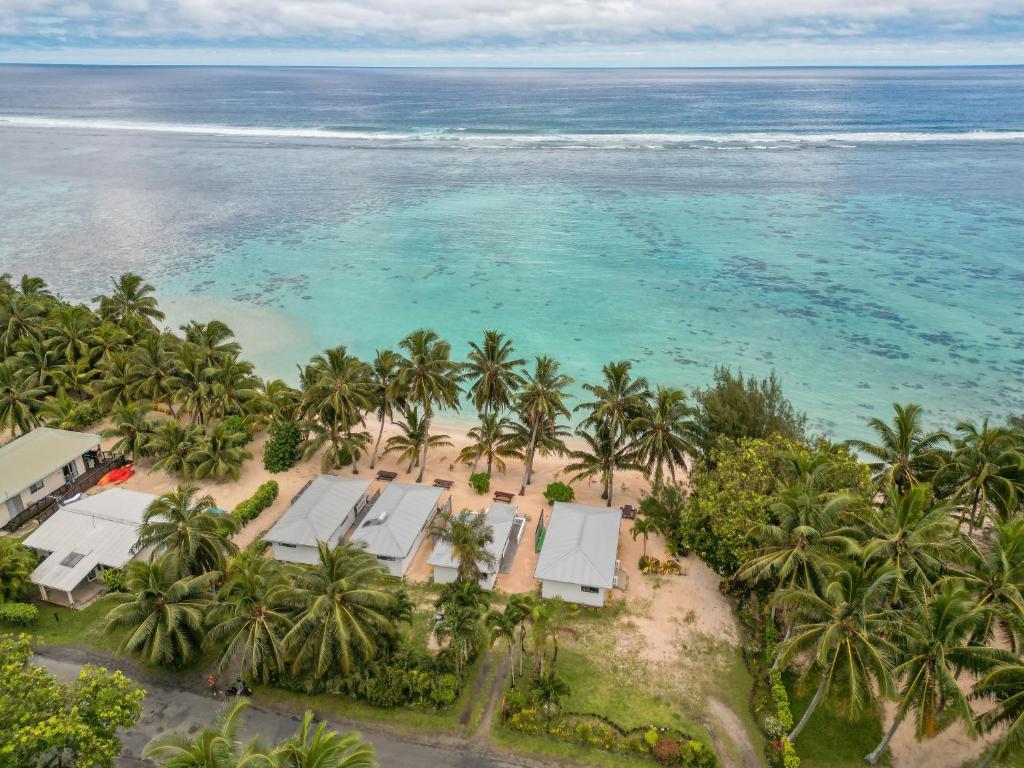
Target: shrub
point(559, 492)
point(525, 720)
point(282, 448)
point(86, 414)
point(443, 690)
point(238, 425)
point(480, 482)
point(263, 498)
point(651, 738)
point(667, 751)
point(387, 688)
point(114, 578)
point(21, 614)
point(790, 759)
point(697, 755)
point(781, 699)
point(515, 701)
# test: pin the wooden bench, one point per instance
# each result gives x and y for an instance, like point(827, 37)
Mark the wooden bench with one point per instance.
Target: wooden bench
point(504, 496)
point(446, 484)
point(386, 475)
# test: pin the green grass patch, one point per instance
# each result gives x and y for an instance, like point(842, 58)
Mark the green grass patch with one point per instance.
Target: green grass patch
point(832, 738)
point(64, 626)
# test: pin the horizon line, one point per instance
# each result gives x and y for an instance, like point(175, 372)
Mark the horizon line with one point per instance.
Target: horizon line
point(1016, 65)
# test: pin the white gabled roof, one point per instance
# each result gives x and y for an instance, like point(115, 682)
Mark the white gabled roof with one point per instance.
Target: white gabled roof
point(30, 458)
point(500, 518)
point(580, 545)
point(101, 529)
point(396, 519)
point(319, 511)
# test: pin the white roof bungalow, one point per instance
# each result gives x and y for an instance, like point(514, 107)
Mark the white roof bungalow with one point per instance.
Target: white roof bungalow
point(84, 537)
point(501, 518)
point(323, 511)
point(397, 523)
point(578, 557)
point(35, 465)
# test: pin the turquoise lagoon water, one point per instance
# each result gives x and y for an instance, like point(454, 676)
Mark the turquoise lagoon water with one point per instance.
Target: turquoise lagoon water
point(860, 232)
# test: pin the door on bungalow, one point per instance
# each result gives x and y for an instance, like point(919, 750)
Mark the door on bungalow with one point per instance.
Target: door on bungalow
point(15, 507)
point(70, 472)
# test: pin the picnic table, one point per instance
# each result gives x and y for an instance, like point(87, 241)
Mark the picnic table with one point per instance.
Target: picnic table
point(386, 475)
point(628, 512)
point(504, 496)
point(446, 484)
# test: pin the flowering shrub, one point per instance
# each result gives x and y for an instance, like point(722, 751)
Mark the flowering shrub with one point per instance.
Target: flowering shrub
point(667, 751)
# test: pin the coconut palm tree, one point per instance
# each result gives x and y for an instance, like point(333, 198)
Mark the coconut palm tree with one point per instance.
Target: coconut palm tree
point(494, 439)
point(504, 625)
point(429, 378)
point(20, 400)
point(540, 403)
point(16, 564)
point(35, 287)
point(408, 443)
point(550, 690)
point(913, 535)
point(618, 400)
point(469, 537)
point(248, 623)
point(936, 648)
point(130, 303)
point(186, 528)
point(491, 369)
point(283, 400)
point(35, 363)
point(20, 318)
point(132, 430)
point(213, 340)
point(172, 444)
point(1003, 685)
point(986, 468)
point(77, 377)
point(153, 368)
point(601, 458)
point(232, 387)
point(905, 454)
point(190, 383)
point(118, 382)
point(844, 630)
point(220, 454)
point(216, 747)
point(995, 576)
point(338, 393)
point(71, 332)
point(663, 433)
point(387, 393)
point(341, 607)
point(320, 748)
point(643, 526)
point(161, 614)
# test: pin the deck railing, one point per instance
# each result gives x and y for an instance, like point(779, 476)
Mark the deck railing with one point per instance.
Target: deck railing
point(46, 506)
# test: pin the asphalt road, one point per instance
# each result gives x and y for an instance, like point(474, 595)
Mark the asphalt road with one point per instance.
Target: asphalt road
point(166, 708)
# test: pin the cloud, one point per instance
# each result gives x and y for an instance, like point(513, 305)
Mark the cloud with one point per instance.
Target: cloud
point(489, 25)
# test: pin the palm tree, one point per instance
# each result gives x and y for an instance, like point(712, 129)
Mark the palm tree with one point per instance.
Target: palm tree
point(60, 411)
point(663, 433)
point(19, 400)
point(469, 536)
point(429, 378)
point(248, 623)
point(118, 382)
point(338, 393)
point(153, 365)
point(912, 535)
point(493, 439)
point(844, 629)
point(162, 612)
point(216, 747)
point(643, 526)
point(20, 318)
point(504, 625)
point(600, 459)
point(342, 448)
point(995, 576)
point(320, 748)
point(190, 383)
point(341, 606)
point(408, 444)
point(130, 303)
point(171, 444)
point(1005, 686)
point(35, 363)
point(985, 467)
point(221, 454)
point(550, 690)
point(541, 401)
point(76, 376)
point(35, 287)
point(548, 619)
point(905, 453)
point(16, 564)
point(72, 332)
point(185, 527)
point(618, 400)
point(491, 369)
point(387, 392)
point(232, 387)
point(132, 430)
point(936, 648)
point(282, 399)
point(213, 340)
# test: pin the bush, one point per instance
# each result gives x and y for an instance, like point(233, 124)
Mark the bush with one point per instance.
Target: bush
point(387, 688)
point(21, 614)
point(238, 425)
point(790, 759)
point(443, 690)
point(480, 482)
point(559, 492)
point(282, 448)
point(515, 701)
point(87, 414)
point(781, 699)
point(115, 580)
point(251, 507)
point(526, 721)
point(667, 751)
point(697, 755)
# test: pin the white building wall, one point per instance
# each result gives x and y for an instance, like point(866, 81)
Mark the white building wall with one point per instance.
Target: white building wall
point(444, 575)
point(296, 554)
point(571, 593)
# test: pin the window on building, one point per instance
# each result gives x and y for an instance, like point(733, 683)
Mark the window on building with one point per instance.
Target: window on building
point(590, 590)
point(72, 559)
point(282, 544)
point(38, 486)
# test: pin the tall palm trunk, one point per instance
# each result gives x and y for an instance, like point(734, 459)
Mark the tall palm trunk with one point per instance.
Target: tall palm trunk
point(426, 445)
point(376, 446)
point(974, 511)
point(528, 468)
point(818, 694)
point(355, 461)
point(511, 660)
point(609, 487)
point(873, 756)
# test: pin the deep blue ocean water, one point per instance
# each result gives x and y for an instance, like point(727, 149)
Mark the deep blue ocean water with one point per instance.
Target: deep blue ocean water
point(859, 231)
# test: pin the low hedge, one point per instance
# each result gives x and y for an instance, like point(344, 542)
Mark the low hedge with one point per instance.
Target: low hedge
point(559, 492)
point(780, 697)
point(21, 614)
point(115, 579)
point(251, 507)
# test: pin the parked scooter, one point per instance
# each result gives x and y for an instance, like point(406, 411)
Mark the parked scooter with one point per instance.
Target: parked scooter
point(239, 688)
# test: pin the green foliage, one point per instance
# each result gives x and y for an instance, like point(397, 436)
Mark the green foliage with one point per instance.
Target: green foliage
point(480, 482)
point(45, 722)
point(444, 689)
point(237, 424)
point(387, 689)
point(735, 407)
point(20, 614)
point(16, 564)
point(115, 579)
point(781, 699)
point(264, 496)
point(667, 751)
point(790, 759)
point(559, 492)
point(282, 448)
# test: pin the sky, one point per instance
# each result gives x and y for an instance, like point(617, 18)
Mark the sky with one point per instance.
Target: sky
point(653, 33)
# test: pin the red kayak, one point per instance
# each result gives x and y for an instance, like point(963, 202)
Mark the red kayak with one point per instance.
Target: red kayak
point(115, 476)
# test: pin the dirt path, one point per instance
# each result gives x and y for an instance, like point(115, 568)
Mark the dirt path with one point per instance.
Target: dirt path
point(483, 730)
point(727, 722)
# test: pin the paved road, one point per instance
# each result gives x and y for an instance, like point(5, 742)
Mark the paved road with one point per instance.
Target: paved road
point(168, 708)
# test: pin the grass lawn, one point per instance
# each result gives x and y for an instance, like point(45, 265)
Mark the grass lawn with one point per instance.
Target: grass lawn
point(545, 747)
point(63, 626)
point(832, 739)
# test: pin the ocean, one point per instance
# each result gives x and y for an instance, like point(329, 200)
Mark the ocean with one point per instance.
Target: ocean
point(860, 231)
